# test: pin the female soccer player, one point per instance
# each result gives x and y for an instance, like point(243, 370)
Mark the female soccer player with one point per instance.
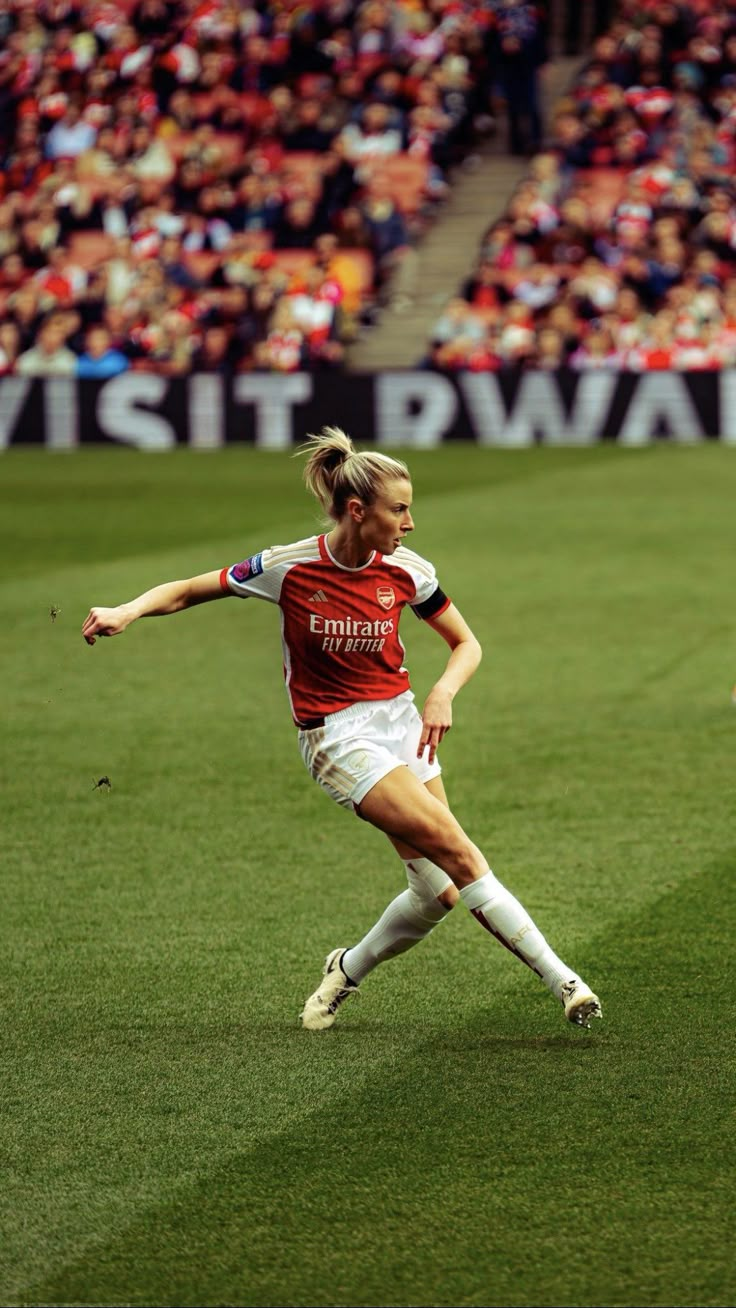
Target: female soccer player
point(341, 595)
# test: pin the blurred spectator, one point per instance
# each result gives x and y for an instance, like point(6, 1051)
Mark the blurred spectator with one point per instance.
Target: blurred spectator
point(389, 239)
point(313, 301)
point(538, 287)
point(484, 288)
point(284, 347)
point(10, 346)
point(60, 283)
point(299, 225)
point(50, 356)
point(99, 358)
point(372, 137)
point(175, 269)
point(13, 272)
point(257, 208)
point(519, 50)
point(574, 16)
point(310, 131)
point(346, 273)
point(596, 350)
point(23, 309)
point(516, 338)
point(150, 159)
point(217, 351)
point(70, 136)
point(459, 321)
point(550, 353)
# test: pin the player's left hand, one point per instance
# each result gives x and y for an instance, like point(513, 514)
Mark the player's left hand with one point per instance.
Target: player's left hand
point(436, 722)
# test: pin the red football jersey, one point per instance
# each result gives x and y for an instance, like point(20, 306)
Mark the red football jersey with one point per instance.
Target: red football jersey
point(340, 626)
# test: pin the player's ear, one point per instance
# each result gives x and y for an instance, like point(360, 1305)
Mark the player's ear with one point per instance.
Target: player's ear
point(355, 508)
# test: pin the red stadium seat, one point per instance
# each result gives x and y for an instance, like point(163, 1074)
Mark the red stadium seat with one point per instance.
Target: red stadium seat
point(602, 189)
point(230, 145)
point(91, 248)
point(407, 176)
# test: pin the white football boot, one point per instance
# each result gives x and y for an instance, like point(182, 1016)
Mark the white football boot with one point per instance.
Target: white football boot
point(579, 1002)
point(320, 1010)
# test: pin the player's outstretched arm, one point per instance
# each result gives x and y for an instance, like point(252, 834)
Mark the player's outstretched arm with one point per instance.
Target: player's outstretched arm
point(170, 597)
point(462, 663)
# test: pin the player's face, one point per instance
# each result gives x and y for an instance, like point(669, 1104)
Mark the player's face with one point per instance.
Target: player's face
point(388, 519)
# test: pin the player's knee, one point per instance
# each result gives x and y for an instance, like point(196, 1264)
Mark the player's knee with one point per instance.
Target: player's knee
point(449, 897)
point(460, 859)
point(430, 908)
point(429, 886)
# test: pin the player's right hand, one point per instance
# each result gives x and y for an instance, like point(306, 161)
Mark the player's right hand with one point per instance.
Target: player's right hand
point(104, 622)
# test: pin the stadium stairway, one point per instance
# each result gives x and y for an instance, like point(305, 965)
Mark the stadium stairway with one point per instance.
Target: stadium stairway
point(445, 255)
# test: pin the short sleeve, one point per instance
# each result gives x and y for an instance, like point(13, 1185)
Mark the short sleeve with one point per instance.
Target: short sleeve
point(253, 578)
point(429, 598)
point(435, 604)
point(262, 575)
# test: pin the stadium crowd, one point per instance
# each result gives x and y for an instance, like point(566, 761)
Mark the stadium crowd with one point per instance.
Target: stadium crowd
point(214, 185)
point(618, 249)
point(219, 185)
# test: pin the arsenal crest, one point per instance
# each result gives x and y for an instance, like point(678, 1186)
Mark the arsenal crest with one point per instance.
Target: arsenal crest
point(385, 596)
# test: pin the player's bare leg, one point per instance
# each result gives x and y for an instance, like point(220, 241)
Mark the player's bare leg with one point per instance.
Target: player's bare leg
point(407, 811)
point(409, 918)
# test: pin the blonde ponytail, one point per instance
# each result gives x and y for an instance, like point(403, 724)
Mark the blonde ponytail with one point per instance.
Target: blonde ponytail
point(335, 470)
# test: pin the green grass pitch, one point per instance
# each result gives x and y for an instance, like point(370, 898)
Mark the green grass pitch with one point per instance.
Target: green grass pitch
point(169, 1134)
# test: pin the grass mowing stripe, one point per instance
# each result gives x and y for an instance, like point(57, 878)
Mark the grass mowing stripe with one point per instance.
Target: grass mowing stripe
point(578, 1192)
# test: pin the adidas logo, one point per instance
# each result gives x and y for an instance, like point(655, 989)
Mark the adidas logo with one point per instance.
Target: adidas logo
point(318, 597)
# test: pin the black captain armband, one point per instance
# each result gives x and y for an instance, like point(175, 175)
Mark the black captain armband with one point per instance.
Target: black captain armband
point(432, 606)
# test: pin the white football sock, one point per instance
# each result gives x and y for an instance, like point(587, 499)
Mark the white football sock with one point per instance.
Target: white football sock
point(407, 920)
point(500, 913)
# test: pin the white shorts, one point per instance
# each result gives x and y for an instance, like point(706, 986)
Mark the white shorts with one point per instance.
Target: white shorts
point(359, 745)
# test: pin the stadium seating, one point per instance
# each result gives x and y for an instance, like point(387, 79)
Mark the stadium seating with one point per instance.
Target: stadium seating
point(618, 249)
point(170, 165)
